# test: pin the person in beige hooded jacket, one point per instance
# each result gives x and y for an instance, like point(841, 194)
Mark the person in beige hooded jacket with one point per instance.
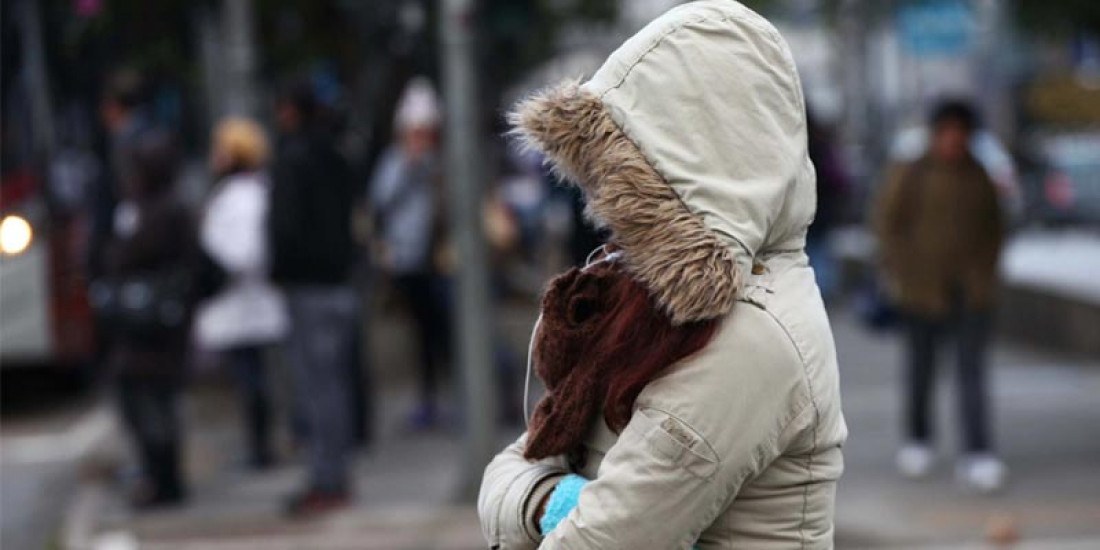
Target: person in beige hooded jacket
point(690, 146)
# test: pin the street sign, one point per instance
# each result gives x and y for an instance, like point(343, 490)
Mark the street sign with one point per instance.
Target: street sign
point(936, 28)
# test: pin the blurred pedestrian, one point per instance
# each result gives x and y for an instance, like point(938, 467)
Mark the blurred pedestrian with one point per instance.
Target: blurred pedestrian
point(940, 231)
point(832, 190)
point(405, 197)
point(312, 252)
point(692, 389)
point(124, 116)
point(248, 313)
point(143, 302)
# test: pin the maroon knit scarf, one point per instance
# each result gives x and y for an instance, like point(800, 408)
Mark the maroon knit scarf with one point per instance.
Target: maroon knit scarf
point(601, 340)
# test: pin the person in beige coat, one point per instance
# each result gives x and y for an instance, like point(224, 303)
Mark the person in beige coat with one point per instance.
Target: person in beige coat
point(689, 144)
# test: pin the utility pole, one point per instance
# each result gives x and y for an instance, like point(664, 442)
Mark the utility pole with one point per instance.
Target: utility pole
point(853, 22)
point(240, 59)
point(37, 80)
point(471, 317)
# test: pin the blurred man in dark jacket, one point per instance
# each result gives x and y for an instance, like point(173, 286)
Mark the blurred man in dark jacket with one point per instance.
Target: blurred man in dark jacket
point(940, 232)
point(312, 252)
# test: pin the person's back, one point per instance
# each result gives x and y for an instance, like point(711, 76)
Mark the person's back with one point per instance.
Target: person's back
point(775, 351)
point(311, 205)
point(690, 146)
point(312, 252)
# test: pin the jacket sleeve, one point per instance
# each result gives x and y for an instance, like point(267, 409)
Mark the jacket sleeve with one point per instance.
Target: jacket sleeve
point(233, 229)
point(510, 493)
point(991, 232)
point(888, 219)
point(658, 487)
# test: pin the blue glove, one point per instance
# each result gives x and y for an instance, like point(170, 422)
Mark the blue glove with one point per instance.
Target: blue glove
point(561, 501)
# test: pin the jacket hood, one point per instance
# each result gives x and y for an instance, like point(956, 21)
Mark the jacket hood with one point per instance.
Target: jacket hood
point(690, 146)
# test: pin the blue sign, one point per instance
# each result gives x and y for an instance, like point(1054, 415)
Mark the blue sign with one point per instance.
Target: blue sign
point(936, 28)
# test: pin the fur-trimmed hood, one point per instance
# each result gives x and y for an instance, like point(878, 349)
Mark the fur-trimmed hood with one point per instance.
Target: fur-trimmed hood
point(690, 145)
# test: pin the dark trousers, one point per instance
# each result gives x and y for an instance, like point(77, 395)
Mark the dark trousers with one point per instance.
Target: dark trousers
point(971, 332)
point(150, 409)
point(248, 367)
point(427, 297)
point(323, 326)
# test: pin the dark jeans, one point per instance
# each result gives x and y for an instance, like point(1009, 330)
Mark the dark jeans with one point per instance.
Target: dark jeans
point(150, 409)
point(322, 331)
point(248, 366)
point(971, 332)
point(427, 297)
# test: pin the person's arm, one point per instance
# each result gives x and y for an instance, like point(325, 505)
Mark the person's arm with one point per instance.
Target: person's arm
point(384, 182)
point(888, 218)
point(990, 229)
point(233, 228)
point(285, 232)
point(513, 490)
point(697, 436)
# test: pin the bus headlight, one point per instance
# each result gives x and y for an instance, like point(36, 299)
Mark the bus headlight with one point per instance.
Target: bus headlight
point(15, 235)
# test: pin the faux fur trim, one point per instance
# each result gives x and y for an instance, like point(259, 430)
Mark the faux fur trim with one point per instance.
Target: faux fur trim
point(686, 267)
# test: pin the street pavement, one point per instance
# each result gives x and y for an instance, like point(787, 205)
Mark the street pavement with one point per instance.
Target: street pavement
point(45, 431)
point(1047, 424)
point(1047, 416)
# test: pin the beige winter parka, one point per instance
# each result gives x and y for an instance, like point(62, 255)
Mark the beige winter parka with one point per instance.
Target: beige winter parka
point(690, 145)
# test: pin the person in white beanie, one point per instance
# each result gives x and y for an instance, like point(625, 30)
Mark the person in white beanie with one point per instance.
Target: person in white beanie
point(404, 195)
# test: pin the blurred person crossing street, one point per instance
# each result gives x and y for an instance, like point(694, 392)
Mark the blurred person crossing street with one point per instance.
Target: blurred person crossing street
point(940, 231)
point(312, 252)
point(245, 312)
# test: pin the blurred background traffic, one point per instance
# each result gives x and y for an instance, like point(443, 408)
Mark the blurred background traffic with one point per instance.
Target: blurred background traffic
point(268, 268)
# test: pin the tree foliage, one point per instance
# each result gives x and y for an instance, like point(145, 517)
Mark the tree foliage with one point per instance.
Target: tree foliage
point(1061, 17)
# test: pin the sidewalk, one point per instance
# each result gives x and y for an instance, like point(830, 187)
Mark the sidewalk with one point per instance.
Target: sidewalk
point(405, 489)
point(1047, 415)
point(406, 483)
point(1047, 418)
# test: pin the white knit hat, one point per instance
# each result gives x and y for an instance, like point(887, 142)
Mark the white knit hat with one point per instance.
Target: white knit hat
point(418, 107)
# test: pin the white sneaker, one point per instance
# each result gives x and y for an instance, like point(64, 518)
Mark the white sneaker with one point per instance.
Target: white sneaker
point(915, 460)
point(984, 473)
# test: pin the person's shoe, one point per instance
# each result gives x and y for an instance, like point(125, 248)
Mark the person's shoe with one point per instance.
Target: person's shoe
point(983, 473)
point(313, 503)
point(915, 460)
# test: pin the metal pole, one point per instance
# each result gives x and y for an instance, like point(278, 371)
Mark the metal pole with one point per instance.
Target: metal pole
point(38, 84)
point(471, 317)
point(240, 59)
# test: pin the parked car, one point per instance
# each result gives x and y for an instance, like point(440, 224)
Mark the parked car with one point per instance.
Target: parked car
point(1065, 188)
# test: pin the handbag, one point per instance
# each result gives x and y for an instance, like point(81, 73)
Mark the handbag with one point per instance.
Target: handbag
point(210, 276)
point(147, 306)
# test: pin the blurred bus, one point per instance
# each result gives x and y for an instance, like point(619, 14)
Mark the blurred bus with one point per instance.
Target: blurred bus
point(44, 315)
point(45, 319)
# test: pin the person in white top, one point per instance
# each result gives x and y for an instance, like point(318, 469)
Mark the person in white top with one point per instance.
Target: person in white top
point(247, 313)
